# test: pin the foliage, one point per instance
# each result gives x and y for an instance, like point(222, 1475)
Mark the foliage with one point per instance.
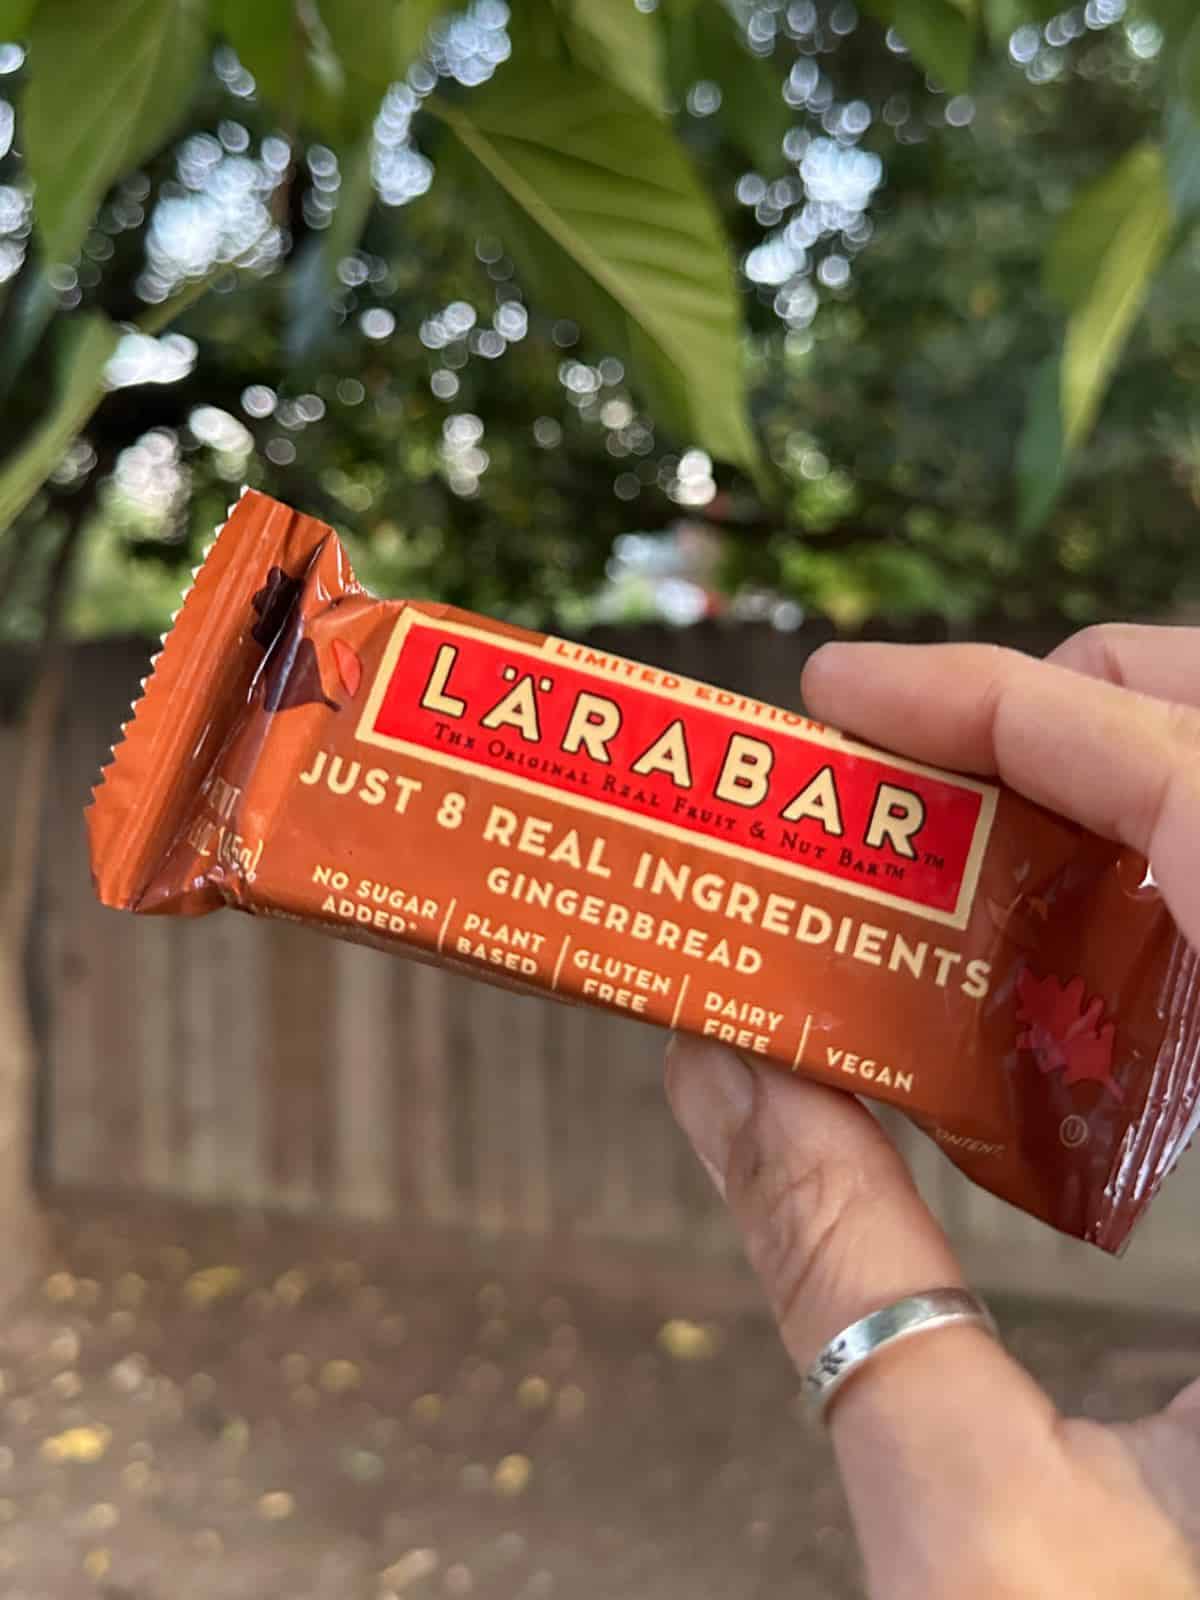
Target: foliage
point(960, 313)
point(122, 75)
point(560, 166)
point(87, 344)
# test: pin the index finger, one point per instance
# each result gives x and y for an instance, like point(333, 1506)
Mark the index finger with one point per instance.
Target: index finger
point(1162, 660)
point(1123, 764)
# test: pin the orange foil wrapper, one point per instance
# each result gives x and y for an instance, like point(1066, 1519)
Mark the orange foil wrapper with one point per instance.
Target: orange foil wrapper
point(554, 817)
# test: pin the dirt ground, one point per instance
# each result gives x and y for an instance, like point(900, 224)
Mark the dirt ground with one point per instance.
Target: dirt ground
point(193, 1407)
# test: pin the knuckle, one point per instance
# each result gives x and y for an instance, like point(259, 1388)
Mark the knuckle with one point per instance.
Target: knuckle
point(1096, 650)
point(1093, 643)
point(993, 659)
point(1183, 727)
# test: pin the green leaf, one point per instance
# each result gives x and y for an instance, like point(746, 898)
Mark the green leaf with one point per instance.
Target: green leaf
point(87, 341)
point(312, 278)
point(1099, 268)
point(1041, 459)
point(1076, 254)
point(600, 209)
point(15, 17)
point(110, 84)
point(618, 42)
point(1103, 315)
point(706, 44)
point(611, 38)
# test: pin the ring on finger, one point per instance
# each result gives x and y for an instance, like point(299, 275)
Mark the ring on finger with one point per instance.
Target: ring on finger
point(855, 1346)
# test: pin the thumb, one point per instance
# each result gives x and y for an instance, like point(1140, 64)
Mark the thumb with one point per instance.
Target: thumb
point(831, 1219)
point(834, 1227)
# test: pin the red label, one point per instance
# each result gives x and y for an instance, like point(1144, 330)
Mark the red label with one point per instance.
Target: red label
point(613, 737)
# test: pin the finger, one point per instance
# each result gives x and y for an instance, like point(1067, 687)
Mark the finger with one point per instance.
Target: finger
point(835, 1229)
point(1123, 764)
point(803, 1166)
point(1159, 661)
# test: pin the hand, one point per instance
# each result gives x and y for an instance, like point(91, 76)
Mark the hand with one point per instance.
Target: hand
point(962, 1479)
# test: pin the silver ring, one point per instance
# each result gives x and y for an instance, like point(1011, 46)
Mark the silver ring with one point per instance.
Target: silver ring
point(855, 1345)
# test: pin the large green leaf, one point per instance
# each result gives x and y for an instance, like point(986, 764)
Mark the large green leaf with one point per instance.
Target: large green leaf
point(705, 43)
point(942, 34)
point(1077, 252)
point(15, 17)
point(611, 38)
point(619, 42)
point(1099, 268)
point(1127, 258)
point(86, 343)
point(605, 218)
point(110, 83)
point(1041, 460)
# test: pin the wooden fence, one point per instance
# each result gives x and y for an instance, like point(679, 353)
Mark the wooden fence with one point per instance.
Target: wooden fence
point(261, 1065)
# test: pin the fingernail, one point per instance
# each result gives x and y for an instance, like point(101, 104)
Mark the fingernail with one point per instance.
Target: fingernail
point(712, 1095)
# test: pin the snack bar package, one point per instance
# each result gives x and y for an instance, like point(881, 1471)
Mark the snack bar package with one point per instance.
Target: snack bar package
point(556, 818)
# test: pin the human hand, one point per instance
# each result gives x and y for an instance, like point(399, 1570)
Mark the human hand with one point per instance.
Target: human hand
point(962, 1478)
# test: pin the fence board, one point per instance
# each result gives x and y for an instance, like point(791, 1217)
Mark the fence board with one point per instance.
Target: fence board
point(235, 995)
point(300, 1062)
point(197, 960)
point(260, 1064)
point(427, 1111)
point(152, 1164)
point(534, 1069)
point(572, 1127)
point(372, 1173)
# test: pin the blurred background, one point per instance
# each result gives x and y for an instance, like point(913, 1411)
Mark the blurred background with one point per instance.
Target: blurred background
point(710, 327)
